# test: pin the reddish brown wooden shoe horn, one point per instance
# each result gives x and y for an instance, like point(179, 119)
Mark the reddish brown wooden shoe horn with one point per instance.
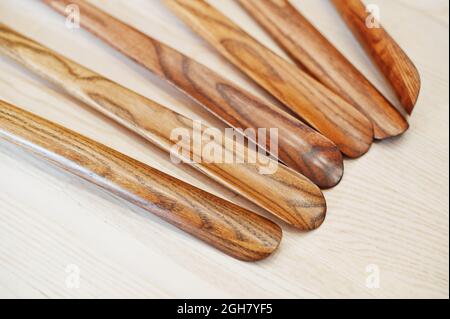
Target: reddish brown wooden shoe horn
point(299, 147)
point(315, 54)
point(330, 114)
point(384, 51)
point(228, 227)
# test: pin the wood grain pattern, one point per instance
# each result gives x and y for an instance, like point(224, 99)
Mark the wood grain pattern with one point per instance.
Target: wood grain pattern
point(384, 51)
point(320, 58)
point(231, 229)
point(321, 108)
point(285, 193)
point(300, 147)
point(391, 208)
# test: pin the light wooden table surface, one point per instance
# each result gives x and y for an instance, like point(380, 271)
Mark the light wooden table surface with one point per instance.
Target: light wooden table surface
point(389, 216)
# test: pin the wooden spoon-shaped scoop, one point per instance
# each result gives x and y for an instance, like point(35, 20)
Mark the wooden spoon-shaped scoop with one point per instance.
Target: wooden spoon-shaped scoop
point(300, 147)
point(309, 99)
point(228, 227)
point(384, 51)
point(315, 54)
point(274, 187)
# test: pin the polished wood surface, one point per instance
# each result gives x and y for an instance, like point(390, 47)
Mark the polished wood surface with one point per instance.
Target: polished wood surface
point(390, 211)
point(397, 67)
point(320, 58)
point(284, 192)
point(299, 146)
point(231, 229)
point(328, 113)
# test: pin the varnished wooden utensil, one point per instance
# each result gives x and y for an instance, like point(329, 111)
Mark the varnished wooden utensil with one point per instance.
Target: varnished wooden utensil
point(226, 226)
point(315, 54)
point(384, 51)
point(320, 107)
point(284, 192)
point(300, 147)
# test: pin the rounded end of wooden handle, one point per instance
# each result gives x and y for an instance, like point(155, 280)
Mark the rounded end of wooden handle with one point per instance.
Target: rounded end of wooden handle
point(308, 209)
point(253, 237)
point(396, 130)
point(266, 249)
point(325, 165)
point(315, 216)
point(409, 101)
point(361, 144)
